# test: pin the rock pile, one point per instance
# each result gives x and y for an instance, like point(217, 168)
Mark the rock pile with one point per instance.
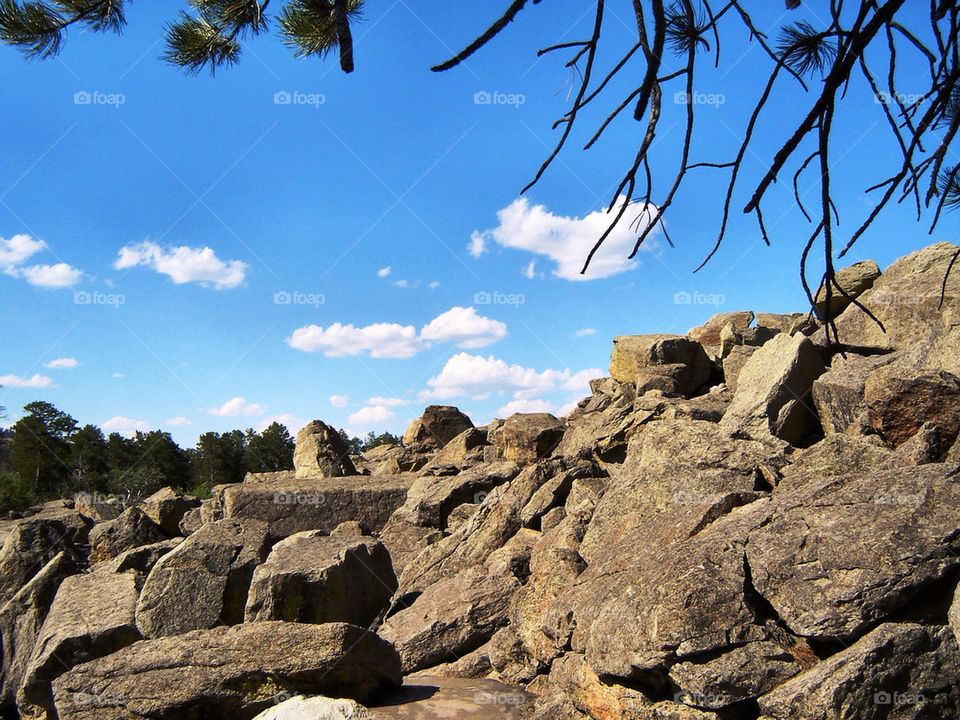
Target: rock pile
point(745, 522)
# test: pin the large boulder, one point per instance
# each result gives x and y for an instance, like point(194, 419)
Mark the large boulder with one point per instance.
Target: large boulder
point(228, 673)
point(313, 578)
point(289, 505)
point(321, 452)
point(525, 438)
point(709, 332)
point(849, 283)
point(906, 299)
point(906, 671)
point(602, 424)
point(34, 542)
point(438, 425)
point(131, 529)
point(21, 618)
point(166, 507)
point(681, 362)
point(838, 394)
point(92, 615)
point(826, 580)
point(773, 391)
point(204, 581)
point(299, 707)
point(450, 618)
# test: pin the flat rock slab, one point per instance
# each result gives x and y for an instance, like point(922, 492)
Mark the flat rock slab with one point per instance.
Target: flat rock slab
point(427, 697)
point(292, 505)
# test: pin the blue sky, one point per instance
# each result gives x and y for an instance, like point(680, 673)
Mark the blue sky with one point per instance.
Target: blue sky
point(195, 253)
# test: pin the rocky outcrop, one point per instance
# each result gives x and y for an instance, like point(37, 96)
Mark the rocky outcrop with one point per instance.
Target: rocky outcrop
point(131, 529)
point(166, 507)
point(321, 452)
point(709, 333)
point(673, 364)
point(773, 391)
point(228, 673)
point(437, 426)
point(204, 581)
point(34, 542)
point(312, 578)
point(525, 438)
point(849, 283)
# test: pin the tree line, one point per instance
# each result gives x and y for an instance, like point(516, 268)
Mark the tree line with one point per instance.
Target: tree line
point(47, 454)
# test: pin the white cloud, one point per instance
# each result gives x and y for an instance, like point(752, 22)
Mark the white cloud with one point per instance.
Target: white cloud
point(580, 382)
point(184, 264)
point(583, 332)
point(535, 405)
point(476, 376)
point(291, 422)
point(125, 426)
point(65, 363)
point(384, 271)
point(565, 240)
point(380, 340)
point(388, 401)
point(465, 328)
point(37, 381)
point(371, 415)
point(178, 421)
point(530, 270)
point(339, 400)
point(117, 375)
point(18, 249)
point(236, 407)
point(434, 285)
point(405, 284)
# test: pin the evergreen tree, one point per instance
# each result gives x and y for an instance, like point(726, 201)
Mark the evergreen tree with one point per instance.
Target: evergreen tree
point(90, 459)
point(270, 450)
point(41, 453)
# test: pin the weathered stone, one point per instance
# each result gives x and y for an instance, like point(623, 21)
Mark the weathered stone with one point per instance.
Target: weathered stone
point(442, 423)
point(227, 673)
point(291, 505)
point(709, 332)
point(166, 507)
point(738, 674)
point(900, 401)
point(454, 699)
point(781, 322)
point(475, 664)
point(514, 557)
point(312, 578)
point(842, 552)
point(954, 614)
point(131, 529)
point(320, 452)
point(316, 708)
point(450, 618)
point(602, 427)
point(405, 541)
point(190, 522)
point(204, 581)
point(898, 671)
point(773, 391)
point(849, 283)
point(92, 615)
point(526, 437)
point(21, 618)
point(464, 451)
point(906, 299)
point(733, 363)
point(350, 528)
point(431, 499)
point(32, 544)
point(416, 433)
point(631, 353)
point(837, 455)
point(838, 394)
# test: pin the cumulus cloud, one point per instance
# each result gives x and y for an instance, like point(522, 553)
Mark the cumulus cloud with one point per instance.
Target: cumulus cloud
point(465, 328)
point(184, 264)
point(388, 401)
point(530, 405)
point(178, 421)
point(236, 407)
point(564, 240)
point(20, 248)
point(125, 426)
point(339, 400)
point(583, 332)
point(371, 415)
point(477, 376)
point(37, 381)
point(380, 340)
point(434, 285)
point(460, 326)
point(291, 422)
point(65, 363)
point(384, 271)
